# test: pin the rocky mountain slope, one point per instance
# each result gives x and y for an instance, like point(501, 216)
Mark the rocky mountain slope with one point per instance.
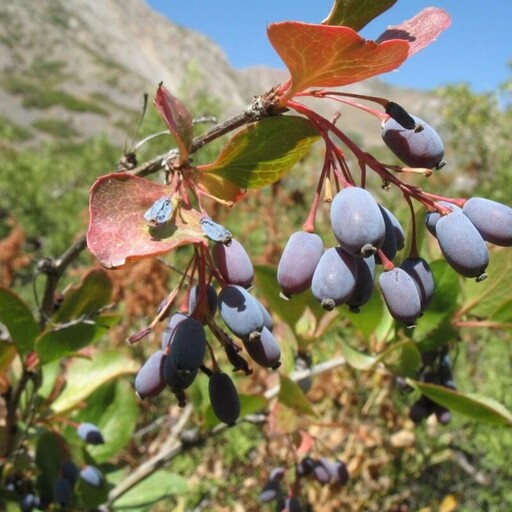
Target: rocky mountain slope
point(77, 68)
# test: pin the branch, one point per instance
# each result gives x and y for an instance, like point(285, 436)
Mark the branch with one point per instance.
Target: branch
point(176, 444)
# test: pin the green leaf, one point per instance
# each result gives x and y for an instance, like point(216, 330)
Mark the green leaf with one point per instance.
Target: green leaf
point(481, 409)
point(91, 496)
point(291, 395)
point(84, 376)
point(61, 342)
point(151, 490)
point(290, 311)
point(444, 304)
point(113, 408)
point(486, 299)
point(7, 355)
point(356, 13)
point(369, 318)
point(356, 358)
point(18, 319)
point(263, 152)
point(94, 292)
point(48, 461)
point(402, 358)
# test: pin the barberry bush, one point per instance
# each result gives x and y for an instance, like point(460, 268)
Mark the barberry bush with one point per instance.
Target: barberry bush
point(365, 305)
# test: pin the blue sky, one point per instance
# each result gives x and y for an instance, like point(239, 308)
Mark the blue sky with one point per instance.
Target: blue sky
point(475, 49)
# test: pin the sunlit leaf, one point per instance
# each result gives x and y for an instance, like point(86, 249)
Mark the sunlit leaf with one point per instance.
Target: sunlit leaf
point(356, 358)
point(93, 293)
point(218, 187)
point(420, 31)
point(263, 152)
point(84, 376)
point(331, 56)
point(17, 317)
point(356, 13)
point(479, 408)
point(291, 395)
point(117, 229)
point(177, 118)
point(152, 490)
point(60, 342)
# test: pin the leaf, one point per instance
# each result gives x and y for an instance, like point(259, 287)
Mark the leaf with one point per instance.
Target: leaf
point(177, 118)
point(218, 187)
point(7, 355)
point(113, 408)
point(444, 303)
point(263, 152)
point(487, 298)
point(330, 56)
point(370, 317)
point(17, 317)
point(84, 376)
point(356, 13)
point(356, 358)
point(117, 230)
point(402, 358)
point(151, 490)
point(290, 311)
point(92, 294)
point(420, 31)
point(48, 451)
point(291, 395)
point(481, 409)
point(60, 342)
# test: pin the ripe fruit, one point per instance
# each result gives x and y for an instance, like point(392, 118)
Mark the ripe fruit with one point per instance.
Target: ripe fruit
point(493, 220)
point(90, 433)
point(298, 262)
point(420, 271)
point(240, 311)
point(335, 277)
point(264, 350)
point(417, 147)
point(462, 246)
point(401, 295)
point(150, 381)
point(233, 263)
point(188, 346)
point(357, 221)
point(224, 398)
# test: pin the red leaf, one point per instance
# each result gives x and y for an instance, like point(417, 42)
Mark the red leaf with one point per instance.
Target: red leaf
point(117, 229)
point(177, 118)
point(421, 30)
point(331, 56)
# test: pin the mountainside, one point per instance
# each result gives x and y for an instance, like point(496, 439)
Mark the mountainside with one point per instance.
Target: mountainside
point(76, 68)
